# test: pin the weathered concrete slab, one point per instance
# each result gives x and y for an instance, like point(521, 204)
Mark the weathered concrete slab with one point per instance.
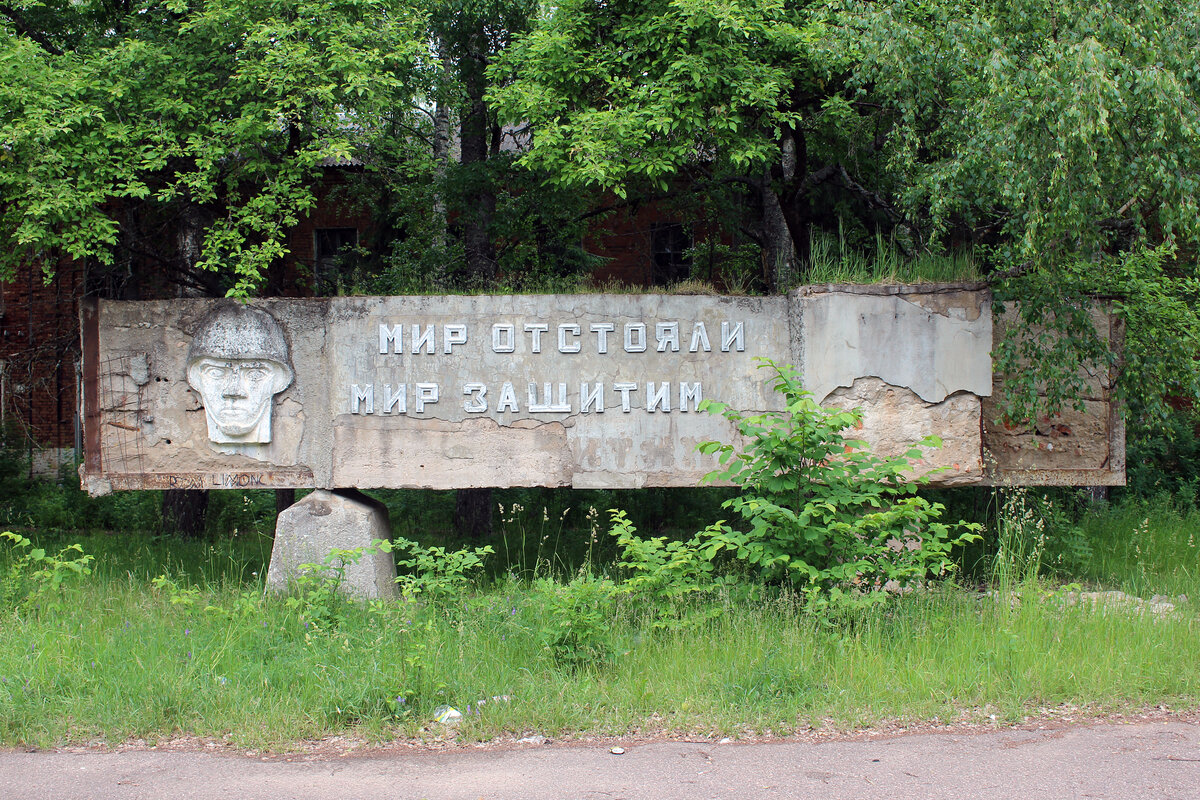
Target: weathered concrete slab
point(560, 390)
point(587, 391)
point(309, 530)
point(147, 426)
point(436, 392)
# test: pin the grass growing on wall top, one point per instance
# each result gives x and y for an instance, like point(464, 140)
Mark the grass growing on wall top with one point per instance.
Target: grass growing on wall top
point(833, 260)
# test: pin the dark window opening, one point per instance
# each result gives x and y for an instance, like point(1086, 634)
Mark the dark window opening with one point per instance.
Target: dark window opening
point(670, 253)
point(331, 264)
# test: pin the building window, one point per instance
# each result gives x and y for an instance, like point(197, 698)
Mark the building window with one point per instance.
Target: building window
point(330, 262)
point(670, 253)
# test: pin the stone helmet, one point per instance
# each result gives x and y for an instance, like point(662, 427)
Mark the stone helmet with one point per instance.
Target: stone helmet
point(236, 331)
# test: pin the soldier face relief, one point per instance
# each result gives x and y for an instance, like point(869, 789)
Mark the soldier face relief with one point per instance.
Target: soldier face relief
point(237, 363)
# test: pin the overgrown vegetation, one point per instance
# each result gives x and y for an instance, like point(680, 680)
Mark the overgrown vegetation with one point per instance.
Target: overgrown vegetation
point(204, 651)
point(831, 595)
point(833, 259)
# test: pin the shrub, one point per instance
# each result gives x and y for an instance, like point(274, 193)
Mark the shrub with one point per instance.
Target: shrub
point(33, 577)
point(1166, 459)
point(436, 572)
point(821, 510)
point(577, 629)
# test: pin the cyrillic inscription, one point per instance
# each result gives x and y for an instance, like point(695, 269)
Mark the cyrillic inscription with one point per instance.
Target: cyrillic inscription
point(562, 394)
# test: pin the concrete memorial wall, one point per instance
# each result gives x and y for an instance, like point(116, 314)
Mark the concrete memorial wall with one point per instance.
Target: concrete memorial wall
point(587, 391)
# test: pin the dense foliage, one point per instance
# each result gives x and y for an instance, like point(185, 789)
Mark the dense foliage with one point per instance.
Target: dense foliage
point(1058, 139)
point(206, 122)
point(839, 521)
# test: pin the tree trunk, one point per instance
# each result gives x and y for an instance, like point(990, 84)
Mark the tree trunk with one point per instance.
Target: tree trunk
point(473, 514)
point(477, 222)
point(779, 254)
point(473, 507)
point(441, 158)
point(183, 512)
point(787, 178)
point(284, 498)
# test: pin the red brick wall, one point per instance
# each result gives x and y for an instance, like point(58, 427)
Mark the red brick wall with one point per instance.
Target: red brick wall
point(39, 344)
point(334, 210)
point(624, 238)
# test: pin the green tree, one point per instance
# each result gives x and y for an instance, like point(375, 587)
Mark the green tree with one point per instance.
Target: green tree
point(182, 140)
point(1060, 138)
point(187, 133)
point(638, 94)
point(1063, 129)
point(1065, 135)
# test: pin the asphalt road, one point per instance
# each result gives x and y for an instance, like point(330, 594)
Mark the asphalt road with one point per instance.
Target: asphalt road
point(1156, 760)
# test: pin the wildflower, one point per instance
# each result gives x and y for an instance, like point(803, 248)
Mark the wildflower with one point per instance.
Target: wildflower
point(187, 631)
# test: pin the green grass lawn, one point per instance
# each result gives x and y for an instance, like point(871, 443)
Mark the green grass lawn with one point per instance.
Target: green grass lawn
point(115, 655)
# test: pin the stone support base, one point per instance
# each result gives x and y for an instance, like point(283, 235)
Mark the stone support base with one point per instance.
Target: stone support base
point(307, 531)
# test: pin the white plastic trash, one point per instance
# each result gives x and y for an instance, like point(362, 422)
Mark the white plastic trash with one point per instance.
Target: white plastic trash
point(446, 714)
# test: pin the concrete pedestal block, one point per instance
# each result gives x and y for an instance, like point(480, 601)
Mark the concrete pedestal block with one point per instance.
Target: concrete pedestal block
point(307, 531)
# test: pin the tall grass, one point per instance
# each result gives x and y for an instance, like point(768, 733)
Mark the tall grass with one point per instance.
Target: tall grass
point(137, 665)
point(1144, 547)
point(833, 260)
point(205, 653)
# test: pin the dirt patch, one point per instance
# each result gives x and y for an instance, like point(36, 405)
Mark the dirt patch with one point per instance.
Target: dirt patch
point(445, 738)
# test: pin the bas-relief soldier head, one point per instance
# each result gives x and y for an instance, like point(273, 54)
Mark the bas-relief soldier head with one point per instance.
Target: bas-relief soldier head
point(238, 362)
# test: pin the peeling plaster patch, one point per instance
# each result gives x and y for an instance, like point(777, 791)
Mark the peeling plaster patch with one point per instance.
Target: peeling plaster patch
point(848, 336)
point(895, 419)
point(290, 408)
point(139, 369)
